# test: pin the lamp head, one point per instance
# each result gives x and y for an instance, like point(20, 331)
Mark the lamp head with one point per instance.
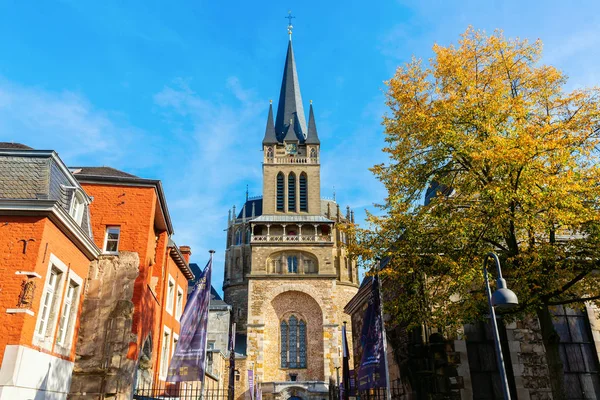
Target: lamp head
point(504, 298)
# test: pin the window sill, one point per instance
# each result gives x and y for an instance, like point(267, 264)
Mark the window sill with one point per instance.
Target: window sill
point(110, 253)
point(19, 311)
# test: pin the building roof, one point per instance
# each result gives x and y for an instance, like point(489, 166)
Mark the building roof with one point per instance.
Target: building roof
point(112, 176)
point(177, 256)
point(11, 145)
point(290, 100)
point(101, 171)
point(257, 203)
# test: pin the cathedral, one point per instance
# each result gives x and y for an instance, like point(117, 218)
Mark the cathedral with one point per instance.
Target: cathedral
point(287, 274)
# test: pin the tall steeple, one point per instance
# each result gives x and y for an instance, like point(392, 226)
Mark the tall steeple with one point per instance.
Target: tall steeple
point(290, 101)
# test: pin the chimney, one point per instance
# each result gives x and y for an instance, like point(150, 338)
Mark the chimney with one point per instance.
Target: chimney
point(187, 253)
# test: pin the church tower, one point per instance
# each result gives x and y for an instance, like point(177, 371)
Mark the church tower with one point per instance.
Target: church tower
point(287, 275)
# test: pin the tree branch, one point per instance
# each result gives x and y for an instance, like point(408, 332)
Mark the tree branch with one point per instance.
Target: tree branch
point(571, 301)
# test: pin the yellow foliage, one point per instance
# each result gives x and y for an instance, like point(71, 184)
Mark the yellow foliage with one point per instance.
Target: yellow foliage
point(513, 158)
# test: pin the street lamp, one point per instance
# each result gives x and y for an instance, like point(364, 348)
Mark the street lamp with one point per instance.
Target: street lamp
point(504, 299)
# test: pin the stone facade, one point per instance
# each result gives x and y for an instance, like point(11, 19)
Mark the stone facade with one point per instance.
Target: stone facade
point(424, 363)
point(285, 259)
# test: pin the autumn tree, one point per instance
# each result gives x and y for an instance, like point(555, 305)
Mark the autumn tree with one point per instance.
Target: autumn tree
point(512, 157)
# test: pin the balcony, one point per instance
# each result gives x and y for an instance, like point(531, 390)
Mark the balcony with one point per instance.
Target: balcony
point(291, 238)
point(292, 160)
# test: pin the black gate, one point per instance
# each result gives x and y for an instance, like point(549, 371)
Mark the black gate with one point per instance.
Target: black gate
point(179, 391)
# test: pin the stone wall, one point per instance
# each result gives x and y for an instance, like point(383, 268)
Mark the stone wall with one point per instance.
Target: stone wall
point(101, 364)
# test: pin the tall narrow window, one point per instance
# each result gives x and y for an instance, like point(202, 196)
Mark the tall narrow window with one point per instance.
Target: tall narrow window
point(301, 344)
point(49, 300)
point(179, 303)
point(280, 191)
point(293, 360)
point(164, 353)
point(303, 193)
point(170, 295)
point(292, 192)
point(292, 262)
point(284, 344)
point(293, 343)
point(66, 318)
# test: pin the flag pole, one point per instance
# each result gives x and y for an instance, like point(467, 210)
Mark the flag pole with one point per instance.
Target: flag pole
point(212, 252)
point(385, 355)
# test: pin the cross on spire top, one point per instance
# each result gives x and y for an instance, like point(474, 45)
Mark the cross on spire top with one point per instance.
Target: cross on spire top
point(290, 26)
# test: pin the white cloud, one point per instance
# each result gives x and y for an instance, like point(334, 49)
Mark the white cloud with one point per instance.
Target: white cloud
point(64, 121)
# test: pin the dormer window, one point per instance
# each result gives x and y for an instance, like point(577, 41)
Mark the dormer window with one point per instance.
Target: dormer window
point(77, 207)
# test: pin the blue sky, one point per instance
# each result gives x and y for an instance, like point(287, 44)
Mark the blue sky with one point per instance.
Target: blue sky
point(179, 91)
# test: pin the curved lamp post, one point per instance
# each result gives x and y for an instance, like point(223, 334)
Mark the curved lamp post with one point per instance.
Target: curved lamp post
point(503, 298)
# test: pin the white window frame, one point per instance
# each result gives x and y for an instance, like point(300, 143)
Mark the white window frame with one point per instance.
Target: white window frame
point(179, 303)
point(170, 297)
point(173, 346)
point(77, 207)
point(70, 305)
point(165, 353)
point(111, 227)
point(49, 321)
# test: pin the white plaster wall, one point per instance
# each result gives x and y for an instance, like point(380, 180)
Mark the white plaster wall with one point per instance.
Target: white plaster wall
point(28, 374)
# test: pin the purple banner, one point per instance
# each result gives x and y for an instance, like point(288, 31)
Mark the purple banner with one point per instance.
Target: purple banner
point(371, 371)
point(188, 362)
point(251, 383)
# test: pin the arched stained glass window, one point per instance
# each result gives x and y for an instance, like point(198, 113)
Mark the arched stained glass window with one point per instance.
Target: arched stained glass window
point(293, 343)
point(303, 192)
point(292, 192)
point(284, 344)
point(280, 191)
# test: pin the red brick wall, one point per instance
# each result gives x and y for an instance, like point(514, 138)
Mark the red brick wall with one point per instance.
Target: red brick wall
point(48, 239)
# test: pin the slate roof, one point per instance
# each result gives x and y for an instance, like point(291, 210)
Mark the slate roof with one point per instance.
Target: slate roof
point(11, 145)
point(270, 135)
point(258, 203)
point(290, 100)
point(311, 136)
point(101, 171)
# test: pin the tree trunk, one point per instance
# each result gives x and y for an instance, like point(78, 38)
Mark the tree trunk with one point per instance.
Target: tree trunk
point(555, 366)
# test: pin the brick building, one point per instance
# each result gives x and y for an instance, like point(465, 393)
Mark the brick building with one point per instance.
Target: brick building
point(137, 288)
point(287, 275)
point(46, 245)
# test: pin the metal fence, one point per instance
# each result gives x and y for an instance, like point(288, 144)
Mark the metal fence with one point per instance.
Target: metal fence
point(179, 391)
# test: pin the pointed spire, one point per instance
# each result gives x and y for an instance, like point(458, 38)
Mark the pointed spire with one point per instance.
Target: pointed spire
point(311, 134)
point(290, 135)
point(270, 136)
point(290, 100)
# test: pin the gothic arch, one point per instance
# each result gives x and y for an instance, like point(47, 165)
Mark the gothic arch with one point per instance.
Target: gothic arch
point(295, 287)
point(303, 191)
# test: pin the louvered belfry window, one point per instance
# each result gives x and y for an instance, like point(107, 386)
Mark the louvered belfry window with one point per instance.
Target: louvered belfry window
point(292, 192)
point(280, 191)
point(293, 343)
point(303, 193)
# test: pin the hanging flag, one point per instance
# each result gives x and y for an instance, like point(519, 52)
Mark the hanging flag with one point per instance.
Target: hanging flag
point(345, 389)
point(372, 370)
point(231, 386)
point(251, 383)
point(188, 361)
